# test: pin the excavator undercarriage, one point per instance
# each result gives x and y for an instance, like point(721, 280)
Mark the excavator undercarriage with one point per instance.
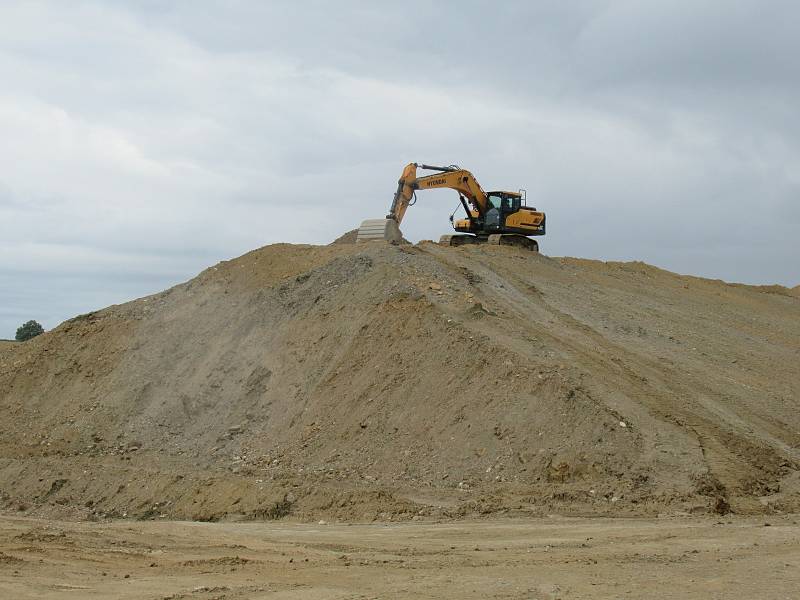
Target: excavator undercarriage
point(495, 239)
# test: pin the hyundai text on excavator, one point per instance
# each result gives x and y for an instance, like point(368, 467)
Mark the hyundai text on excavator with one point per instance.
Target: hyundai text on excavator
point(493, 217)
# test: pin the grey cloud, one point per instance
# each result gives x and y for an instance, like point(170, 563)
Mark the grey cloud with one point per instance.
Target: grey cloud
point(142, 141)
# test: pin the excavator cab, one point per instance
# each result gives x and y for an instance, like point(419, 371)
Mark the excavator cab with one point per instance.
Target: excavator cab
point(500, 205)
point(505, 202)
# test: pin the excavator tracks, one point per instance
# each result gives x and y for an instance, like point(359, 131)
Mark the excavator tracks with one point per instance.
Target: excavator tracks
point(458, 240)
point(512, 239)
point(495, 239)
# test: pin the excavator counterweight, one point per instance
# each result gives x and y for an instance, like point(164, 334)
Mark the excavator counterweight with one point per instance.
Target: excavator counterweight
point(499, 218)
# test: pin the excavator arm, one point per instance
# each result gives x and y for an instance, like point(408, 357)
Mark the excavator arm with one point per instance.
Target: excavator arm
point(460, 180)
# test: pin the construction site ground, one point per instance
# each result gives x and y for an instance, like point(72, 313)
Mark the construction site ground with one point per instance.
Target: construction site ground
point(434, 407)
point(546, 559)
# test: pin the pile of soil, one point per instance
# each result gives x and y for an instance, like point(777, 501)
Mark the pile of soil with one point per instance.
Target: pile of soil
point(348, 237)
point(351, 236)
point(372, 381)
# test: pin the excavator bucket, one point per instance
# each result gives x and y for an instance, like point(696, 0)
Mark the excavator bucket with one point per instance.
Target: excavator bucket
point(379, 229)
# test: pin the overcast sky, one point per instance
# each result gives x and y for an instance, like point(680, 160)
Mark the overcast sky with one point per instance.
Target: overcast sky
point(141, 141)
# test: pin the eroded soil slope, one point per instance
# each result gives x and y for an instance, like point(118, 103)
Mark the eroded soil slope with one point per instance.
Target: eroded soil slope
point(375, 381)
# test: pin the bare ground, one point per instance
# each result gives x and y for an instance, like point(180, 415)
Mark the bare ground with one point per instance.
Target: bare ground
point(392, 382)
point(450, 398)
point(541, 559)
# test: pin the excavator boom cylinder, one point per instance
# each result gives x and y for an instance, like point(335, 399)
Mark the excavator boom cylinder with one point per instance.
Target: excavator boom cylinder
point(432, 168)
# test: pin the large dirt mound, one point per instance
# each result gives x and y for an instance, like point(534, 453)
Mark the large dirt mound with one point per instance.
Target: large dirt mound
point(375, 381)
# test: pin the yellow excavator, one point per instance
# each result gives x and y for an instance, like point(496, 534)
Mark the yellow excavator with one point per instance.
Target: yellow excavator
point(493, 217)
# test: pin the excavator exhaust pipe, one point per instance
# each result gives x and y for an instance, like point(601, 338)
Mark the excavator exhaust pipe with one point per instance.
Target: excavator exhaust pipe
point(386, 230)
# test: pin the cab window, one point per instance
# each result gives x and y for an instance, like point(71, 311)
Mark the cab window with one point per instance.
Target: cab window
point(495, 201)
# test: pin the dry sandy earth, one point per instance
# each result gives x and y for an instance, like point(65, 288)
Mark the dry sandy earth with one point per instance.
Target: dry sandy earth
point(482, 388)
point(542, 558)
point(374, 382)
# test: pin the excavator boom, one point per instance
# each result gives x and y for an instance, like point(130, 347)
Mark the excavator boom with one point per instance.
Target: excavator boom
point(455, 178)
